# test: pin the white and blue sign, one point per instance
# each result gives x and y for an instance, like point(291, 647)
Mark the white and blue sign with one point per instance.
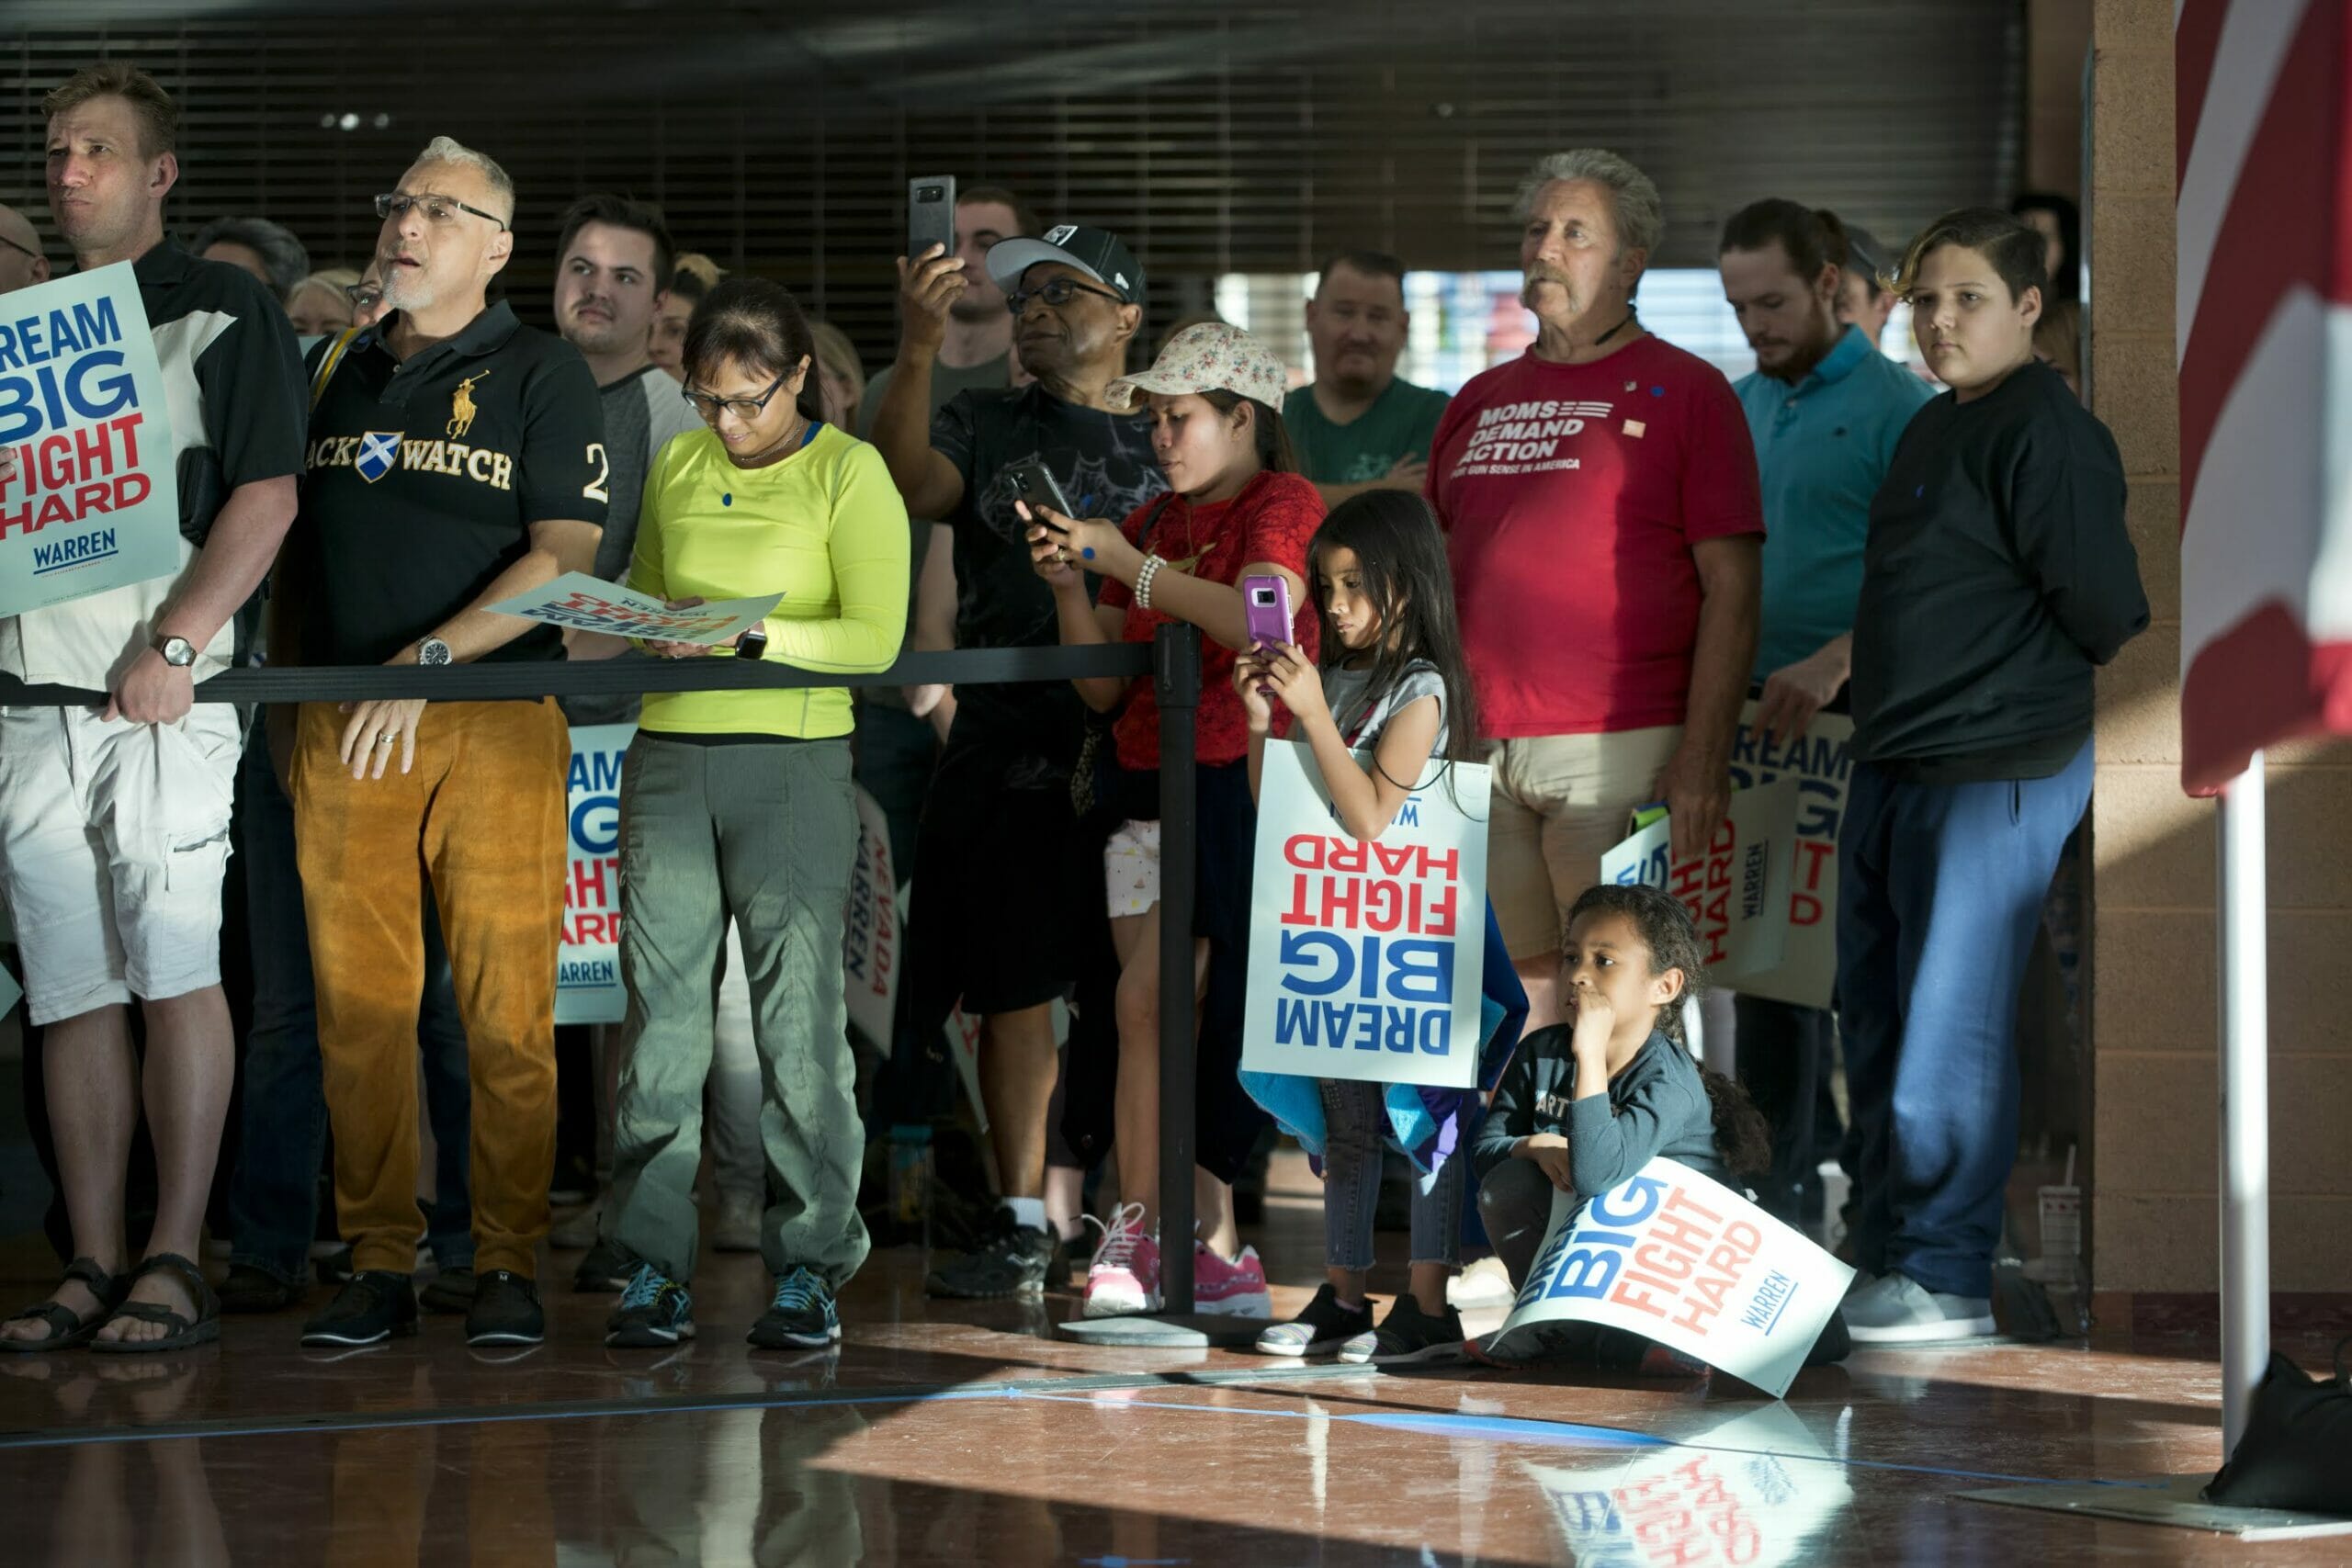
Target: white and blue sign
point(588, 967)
point(1688, 1262)
point(1366, 954)
point(89, 498)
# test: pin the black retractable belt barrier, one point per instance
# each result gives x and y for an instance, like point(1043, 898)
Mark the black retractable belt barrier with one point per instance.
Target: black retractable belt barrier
point(614, 677)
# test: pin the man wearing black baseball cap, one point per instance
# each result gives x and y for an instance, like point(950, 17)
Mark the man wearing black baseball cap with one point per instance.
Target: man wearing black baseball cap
point(1011, 902)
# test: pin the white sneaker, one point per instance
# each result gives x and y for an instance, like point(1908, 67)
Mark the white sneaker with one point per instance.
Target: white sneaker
point(738, 1223)
point(578, 1234)
point(1486, 1284)
point(1895, 1309)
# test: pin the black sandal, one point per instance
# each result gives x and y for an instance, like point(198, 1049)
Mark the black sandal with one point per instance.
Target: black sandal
point(67, 1328)
point(184, 1332)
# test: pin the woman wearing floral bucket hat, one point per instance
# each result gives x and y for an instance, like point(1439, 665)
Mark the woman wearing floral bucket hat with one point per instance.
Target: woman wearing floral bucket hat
point(1237, 508)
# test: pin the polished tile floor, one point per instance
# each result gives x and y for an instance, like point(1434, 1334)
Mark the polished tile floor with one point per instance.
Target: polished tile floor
point(959, 1434)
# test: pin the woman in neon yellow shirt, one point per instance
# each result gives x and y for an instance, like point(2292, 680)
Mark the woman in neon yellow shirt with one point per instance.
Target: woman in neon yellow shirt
point(738, 805)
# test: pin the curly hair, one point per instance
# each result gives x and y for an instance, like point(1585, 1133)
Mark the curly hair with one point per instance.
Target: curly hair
point(1743, 1137)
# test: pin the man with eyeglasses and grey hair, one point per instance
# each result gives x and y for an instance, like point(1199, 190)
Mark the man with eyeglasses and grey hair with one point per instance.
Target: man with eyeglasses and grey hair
point(456, 459)
point(1601, 503)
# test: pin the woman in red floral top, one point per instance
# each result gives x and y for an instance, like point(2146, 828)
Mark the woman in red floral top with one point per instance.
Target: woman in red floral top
point(1237, 508)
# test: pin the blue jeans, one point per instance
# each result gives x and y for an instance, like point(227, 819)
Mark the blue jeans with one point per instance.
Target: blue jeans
point(1939, 893)
point(1355, 1131)
point(274, 1199)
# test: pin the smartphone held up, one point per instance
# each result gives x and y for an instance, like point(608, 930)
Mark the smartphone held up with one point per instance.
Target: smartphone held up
point(931, 215)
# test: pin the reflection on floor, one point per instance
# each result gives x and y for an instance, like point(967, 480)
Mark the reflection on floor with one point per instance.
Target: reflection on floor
point(957, 1433)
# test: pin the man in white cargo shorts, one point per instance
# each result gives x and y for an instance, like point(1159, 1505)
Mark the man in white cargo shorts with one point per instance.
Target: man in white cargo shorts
point(114, 822)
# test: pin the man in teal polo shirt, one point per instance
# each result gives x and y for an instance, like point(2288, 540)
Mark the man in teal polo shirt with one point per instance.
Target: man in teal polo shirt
point(1358, 426)
point(1825, 408)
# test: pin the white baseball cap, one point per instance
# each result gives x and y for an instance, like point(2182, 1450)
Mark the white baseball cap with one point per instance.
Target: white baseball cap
point(1210, 357)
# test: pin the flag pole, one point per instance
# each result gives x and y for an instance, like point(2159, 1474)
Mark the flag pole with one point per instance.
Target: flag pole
point(2244, 1102)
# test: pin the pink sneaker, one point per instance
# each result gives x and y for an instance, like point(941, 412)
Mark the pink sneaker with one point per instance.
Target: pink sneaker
point(1229, 1287)
point(1124, 1278)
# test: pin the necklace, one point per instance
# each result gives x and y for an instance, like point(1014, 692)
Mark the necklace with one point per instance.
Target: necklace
point(1614, 330)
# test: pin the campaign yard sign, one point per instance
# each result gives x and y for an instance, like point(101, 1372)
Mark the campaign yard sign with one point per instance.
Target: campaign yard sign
point(588, 967)
point(1366, 955)
point(1685, 1261)
point(91, 499)
point(1737, 891)
point(589, 603)
point(1822, 765)
point(873, 934)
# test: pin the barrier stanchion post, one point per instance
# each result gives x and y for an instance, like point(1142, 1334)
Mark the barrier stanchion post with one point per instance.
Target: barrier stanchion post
point(1176, 680)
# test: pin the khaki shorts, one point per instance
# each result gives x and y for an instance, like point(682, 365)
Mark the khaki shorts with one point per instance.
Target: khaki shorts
point(114, 843)
point(1560, 803)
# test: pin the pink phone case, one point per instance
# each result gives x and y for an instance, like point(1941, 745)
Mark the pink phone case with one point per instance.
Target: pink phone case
point(1266, 608)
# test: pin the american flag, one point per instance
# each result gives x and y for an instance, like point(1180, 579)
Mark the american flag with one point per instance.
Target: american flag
point(2264, 306)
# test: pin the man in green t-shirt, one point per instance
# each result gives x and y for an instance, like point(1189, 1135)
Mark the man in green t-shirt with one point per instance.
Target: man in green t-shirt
point(1360, 427)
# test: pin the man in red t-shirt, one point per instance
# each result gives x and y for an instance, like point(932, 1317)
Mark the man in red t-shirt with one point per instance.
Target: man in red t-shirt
point(1600, 498)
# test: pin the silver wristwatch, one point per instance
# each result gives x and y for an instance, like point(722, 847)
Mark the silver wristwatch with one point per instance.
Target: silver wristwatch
point(432, 650)
point(177, 651)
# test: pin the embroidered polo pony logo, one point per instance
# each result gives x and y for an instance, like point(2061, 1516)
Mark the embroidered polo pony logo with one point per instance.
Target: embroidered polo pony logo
point(461, 408)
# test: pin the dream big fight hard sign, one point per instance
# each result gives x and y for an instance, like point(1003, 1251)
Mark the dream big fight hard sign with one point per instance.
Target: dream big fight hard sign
point(88, 501)
point(1366, 955)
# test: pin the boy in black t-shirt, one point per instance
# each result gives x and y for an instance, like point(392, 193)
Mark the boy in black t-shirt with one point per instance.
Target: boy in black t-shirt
point(1997, 575)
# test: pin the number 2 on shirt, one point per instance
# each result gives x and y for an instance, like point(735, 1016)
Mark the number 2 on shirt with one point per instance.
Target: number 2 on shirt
point(594, 488)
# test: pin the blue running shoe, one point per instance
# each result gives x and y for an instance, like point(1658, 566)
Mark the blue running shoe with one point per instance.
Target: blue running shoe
point(800, 1316)
point(655, 1312)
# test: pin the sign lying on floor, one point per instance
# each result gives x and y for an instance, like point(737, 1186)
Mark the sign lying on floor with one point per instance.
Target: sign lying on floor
point(588, 966)
point(1366, 955)
point(1686, 1261)
point(90, 499)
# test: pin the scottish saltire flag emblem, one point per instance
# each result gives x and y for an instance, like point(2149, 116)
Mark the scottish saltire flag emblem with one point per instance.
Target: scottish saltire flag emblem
point(380, 454)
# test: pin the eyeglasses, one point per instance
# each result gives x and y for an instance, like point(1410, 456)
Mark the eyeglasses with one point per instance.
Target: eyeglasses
point(1057, 292)
point(438, 208)
point(14, 246)
point(363, 296)
point(745, 408)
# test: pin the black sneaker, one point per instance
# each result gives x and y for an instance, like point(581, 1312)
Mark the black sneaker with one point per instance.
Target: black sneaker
point(334, 1267)
point(452, 1291)
point(1014, 1263)
point(252, 1288)
point(655, 1312)
point(608, 1266)
point(801, 1316)
point(1406, 1336)
point(1323, 1324)
point(375, 1306)
point(505, 1311)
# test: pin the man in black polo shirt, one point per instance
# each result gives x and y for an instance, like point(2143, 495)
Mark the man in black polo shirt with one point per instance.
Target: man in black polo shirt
point(456, 459)
point(114, 826)
point(1996, 576)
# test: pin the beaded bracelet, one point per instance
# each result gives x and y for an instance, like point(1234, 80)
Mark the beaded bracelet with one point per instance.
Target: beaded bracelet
point(1150, 570)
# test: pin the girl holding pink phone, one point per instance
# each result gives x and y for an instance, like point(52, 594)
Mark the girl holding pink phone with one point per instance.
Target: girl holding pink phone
point(1237, 514)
